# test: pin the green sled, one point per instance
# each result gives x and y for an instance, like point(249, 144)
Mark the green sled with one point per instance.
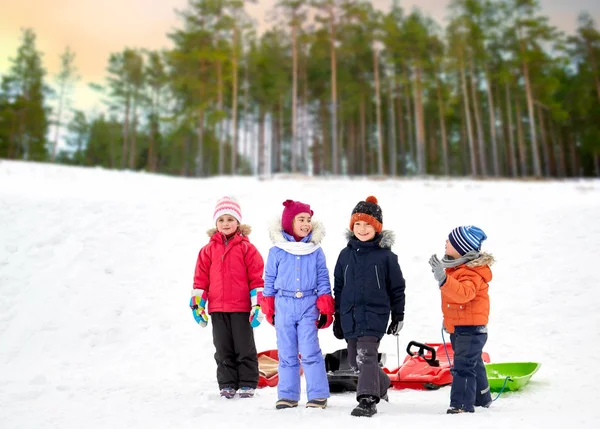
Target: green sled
point(518, 374)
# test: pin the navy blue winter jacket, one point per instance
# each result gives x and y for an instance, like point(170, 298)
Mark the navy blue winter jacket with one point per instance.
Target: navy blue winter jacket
point(368, 285)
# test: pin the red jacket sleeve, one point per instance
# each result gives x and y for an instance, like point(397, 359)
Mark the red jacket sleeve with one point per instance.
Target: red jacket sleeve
point(255, 267)
point(202, 272)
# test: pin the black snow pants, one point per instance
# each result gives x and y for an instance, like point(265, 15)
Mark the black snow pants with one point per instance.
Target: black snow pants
point(236, 357)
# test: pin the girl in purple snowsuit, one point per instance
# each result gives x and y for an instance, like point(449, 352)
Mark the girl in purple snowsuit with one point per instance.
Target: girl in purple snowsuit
point(298, 292)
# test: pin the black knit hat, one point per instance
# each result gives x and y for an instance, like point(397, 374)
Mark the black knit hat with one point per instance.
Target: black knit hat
point(368, 211)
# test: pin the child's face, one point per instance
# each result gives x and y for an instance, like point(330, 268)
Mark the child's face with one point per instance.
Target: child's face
point(451, 251)
point(302, 225)
point(364, 231)
point(227, 224)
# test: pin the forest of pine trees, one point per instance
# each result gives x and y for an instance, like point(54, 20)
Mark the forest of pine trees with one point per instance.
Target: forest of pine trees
point(333, 87)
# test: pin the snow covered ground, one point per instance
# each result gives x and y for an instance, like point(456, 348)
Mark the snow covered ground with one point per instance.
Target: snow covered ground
point(96, 269)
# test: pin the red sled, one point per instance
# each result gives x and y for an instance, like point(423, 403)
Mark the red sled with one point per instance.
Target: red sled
point(426, 369)
point(268, 368)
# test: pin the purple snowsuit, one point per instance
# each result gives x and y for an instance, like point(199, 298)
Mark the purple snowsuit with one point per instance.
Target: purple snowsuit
point(296, 274)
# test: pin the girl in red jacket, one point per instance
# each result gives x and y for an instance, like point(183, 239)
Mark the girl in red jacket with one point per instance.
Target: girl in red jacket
point(228, 277)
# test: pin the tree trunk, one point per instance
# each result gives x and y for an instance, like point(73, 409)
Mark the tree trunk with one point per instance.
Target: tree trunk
point(444, 137)
point(594, 65)
point(544, 142)
point(133, 149)
point(378, 114)
point(392, 131)
point(537, 171)
point(420, 116)
point(351, 151)
point(463, 79)
point(246, 144)
point(293, 149)
point(261, 142)
point(401, 132)
point(560, 152)
point(511, 135)
point(125, 133)
point(521, 139)
point(58, 118)
point(492, 111)
point(234, 102)
point(220, 133)
point(410, 119)
point(334, 150)
point(478, 124)
point(200, 149)
point(324, 153)
point(574, 160)
point(363, 137)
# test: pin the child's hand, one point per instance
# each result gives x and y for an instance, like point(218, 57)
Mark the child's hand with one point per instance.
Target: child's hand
point(324, 321)
point(396, 325)
point(268, 308)
point(198, 305)
point(337, 327)
point(438, 271)
point(256, 316)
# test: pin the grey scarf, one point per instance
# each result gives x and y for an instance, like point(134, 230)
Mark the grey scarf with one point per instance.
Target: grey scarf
point(448, 262)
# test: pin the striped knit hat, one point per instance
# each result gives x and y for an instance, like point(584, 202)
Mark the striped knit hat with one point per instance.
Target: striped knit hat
point(227, 205)
point(466, 238)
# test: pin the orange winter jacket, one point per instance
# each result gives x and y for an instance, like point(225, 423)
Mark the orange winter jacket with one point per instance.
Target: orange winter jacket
point(465, 299)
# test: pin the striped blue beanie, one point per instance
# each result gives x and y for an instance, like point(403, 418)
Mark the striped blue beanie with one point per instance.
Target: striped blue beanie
point(466, 238)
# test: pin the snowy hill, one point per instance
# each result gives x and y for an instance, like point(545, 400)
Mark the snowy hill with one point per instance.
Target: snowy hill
point(96, 269)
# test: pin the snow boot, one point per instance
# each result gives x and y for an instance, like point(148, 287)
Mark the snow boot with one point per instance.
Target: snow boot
point(366, 407)
point(454, 410)
point(317, 403)
point(228, 392)
point(246, 392)
point(286, 403)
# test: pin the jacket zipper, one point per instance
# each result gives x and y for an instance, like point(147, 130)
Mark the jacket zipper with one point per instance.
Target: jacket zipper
point(377, 275)
point(345, 270)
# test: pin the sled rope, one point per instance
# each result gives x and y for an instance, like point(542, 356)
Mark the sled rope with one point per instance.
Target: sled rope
point(452, 366)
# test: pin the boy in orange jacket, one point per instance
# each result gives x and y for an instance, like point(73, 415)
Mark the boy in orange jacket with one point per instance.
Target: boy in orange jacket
point(463, 275)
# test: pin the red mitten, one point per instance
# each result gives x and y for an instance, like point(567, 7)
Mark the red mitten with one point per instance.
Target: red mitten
point(326, 304)
point(324, 321)
point(267, 306)
point(326, 307)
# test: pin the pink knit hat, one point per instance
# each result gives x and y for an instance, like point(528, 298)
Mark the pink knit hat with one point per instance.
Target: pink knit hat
point(292, 208)
point(227, 205)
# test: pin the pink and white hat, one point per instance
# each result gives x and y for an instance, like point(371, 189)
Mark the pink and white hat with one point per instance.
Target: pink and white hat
point(230, 206)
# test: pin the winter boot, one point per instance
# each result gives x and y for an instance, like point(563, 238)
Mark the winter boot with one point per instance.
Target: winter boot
point(366, 407)
point(454, 410)
point(317, 403)
point(286, 403)
point(246, 392)
point(228, 392)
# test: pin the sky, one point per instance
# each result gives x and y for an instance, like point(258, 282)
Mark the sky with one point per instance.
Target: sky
point(96, 270)
point(94, 29)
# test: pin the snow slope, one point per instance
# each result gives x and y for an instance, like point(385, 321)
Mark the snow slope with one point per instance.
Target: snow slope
point(96, 269)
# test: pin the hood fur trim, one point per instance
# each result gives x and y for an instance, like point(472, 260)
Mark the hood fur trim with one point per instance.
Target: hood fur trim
point(276, 235)
point(484, 259)
point(388, 238)
point(244, 229)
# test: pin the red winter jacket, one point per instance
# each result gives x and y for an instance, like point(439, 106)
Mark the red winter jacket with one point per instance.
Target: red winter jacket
point(229, 271)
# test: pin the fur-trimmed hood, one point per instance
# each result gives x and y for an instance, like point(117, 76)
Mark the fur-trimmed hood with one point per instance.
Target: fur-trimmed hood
point(388, 238)
point(483, 259)
point(244, 229)
point(276, 232)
